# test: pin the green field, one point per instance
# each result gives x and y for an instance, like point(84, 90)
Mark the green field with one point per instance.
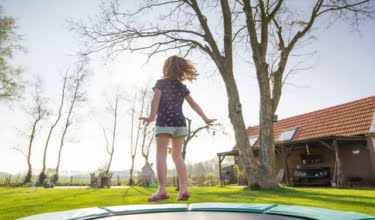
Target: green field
point(20, 202)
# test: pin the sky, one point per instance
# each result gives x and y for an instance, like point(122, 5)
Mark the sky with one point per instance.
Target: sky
point(341, 71)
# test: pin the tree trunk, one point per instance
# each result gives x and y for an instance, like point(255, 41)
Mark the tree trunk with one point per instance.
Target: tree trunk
point(42, 175)
point(75, 98)
point(131, 180)
point(55, 178)
point(113, 134)
point(135, 146)
point(225, 66)
point(29, 171)
point(246, 156)
point(266, 133)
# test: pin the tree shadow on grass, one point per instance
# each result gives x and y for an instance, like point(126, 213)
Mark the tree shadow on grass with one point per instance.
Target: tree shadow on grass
point(126, 193)
point(295, 192)
point(92, 190)
point(352, 190)
point(13, 190)
point(319, 196)
point(221, 196)
point(286, 195)
point(36, 202)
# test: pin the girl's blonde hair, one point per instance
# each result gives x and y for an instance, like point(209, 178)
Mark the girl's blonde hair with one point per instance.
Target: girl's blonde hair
point(178, 68)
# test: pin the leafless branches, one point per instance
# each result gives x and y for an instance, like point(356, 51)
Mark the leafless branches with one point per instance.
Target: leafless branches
point(121, 31)
point(42, 175)
point(138, 107)
point(353, 11)
point(148, 132)
point(114, 109)
point(37, 112)
point(76, 96)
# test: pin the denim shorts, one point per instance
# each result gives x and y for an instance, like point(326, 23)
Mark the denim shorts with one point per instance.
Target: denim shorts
point(173, 131)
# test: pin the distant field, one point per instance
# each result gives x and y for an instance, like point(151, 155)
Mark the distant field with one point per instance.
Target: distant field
point(25, 201)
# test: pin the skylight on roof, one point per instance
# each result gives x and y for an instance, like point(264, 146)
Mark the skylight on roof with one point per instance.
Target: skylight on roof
point(287, 135)
point(253, 140)
point(372, 126)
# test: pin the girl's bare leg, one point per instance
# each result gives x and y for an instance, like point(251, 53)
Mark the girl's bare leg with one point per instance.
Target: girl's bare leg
point(179, 162)
point(161, 162)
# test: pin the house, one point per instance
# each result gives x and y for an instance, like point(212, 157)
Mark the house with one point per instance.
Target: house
point(332, 146)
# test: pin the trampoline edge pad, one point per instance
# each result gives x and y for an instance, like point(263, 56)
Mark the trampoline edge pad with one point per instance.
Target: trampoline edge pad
point(317, 213)
point(70, 214)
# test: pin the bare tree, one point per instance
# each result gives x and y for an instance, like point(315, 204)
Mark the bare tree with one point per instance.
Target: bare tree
point(77, 95)
point(275, 29)
point(148, 137)
point(189, 25)
point(193, 133)
point(182, 26)
point(42, 175)
point(148, 132)
point(37, 111)
point(137, 108)
point(113, 110)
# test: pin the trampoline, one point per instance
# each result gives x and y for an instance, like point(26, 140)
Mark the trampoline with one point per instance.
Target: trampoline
point(203, 211)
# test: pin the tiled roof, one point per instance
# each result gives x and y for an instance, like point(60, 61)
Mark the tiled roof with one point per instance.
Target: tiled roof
point(349, 119)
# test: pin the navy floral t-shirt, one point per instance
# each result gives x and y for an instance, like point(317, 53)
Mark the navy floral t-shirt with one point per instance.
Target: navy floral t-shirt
point(173, 94)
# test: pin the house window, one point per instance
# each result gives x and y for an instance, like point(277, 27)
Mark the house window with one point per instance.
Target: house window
point(253, 140)
point(287, 135)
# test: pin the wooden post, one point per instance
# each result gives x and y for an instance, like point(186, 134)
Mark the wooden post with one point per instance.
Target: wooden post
point(334, 179)
point(339, 175)
point(99, 181)
point(371, 149)
point(8, 180)
point(221, 158)
point(285, 152)
point(221, 183)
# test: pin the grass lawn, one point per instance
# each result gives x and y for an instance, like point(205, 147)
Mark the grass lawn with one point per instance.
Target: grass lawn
point(20, 202)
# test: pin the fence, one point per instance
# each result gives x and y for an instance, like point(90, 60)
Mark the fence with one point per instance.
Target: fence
point(84, 180)
point(7, 180)
point(201, 180)
point(76, 180)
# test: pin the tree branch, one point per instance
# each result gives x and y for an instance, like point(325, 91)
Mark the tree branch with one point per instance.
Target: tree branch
point(208, 37)
point(21, 151)
point(345, 6)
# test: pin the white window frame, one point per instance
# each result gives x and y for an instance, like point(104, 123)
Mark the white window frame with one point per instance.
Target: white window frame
point(255, 138)
point(285, 131)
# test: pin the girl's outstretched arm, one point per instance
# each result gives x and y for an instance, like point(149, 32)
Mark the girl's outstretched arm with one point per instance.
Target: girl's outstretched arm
point(154, 108)
point(198, 110)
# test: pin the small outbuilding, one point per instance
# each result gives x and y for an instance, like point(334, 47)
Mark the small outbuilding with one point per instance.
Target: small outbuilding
point(333, 146)
point(147, 175)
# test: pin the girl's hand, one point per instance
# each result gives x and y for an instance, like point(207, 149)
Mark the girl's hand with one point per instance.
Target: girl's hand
point(209, 122)
point(146, 120)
